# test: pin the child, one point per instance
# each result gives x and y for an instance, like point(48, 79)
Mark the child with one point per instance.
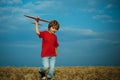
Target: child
point(49, 49)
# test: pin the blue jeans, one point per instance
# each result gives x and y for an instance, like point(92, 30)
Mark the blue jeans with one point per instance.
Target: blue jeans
point(48, 63)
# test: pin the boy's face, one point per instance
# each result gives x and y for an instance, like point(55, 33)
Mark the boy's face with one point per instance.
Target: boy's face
point(53, 30)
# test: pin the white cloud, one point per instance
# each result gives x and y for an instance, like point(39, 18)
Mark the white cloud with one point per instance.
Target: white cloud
point(109, 6)
point(42, 5)
point(112, 21)
point(45, 5)
point(78, 31)
point(102, 17)
point(92, 10)
point(11, 1)
point(77, 34)
point(106, 18)
point(21, 45)
point(24, 45)
point(2, 31)
point(29, 8)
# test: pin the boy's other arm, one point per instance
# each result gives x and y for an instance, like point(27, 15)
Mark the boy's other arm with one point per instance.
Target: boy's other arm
point(56, 50)
point(36, 28)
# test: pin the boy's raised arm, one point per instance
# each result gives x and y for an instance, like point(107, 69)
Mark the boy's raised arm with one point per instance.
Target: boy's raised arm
point(36, 28)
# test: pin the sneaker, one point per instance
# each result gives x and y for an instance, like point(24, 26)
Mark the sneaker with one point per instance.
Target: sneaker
point(44, 78)
point(48, 78)
point(42, 75)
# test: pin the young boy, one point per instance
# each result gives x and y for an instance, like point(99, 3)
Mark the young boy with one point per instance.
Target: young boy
point(49, 49)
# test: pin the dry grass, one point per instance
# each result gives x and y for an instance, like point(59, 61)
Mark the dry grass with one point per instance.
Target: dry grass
point(62, 73)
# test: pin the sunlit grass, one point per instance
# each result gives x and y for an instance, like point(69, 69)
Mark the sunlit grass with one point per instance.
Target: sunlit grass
point(62, 73)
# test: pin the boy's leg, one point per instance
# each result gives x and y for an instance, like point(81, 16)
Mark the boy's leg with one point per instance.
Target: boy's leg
point(45, 63)
point(52, 67)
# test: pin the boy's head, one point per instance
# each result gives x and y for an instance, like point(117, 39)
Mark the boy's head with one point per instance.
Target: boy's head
point(54, 24)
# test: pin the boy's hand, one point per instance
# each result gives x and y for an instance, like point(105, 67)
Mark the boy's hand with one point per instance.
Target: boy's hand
point(36, 22)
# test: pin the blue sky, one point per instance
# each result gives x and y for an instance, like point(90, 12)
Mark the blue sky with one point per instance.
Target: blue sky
point(89, 31)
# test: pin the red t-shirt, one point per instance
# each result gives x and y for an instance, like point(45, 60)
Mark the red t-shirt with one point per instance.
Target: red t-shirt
point(49, 43)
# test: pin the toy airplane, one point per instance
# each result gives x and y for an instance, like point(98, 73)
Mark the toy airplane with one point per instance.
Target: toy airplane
point(37, 18)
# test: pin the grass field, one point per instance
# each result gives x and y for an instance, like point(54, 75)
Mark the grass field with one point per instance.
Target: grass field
point(62, 73)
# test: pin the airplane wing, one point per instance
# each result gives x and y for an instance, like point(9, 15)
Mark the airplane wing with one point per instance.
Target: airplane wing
point(30, 17)
point(43, 20)
point(38, 19)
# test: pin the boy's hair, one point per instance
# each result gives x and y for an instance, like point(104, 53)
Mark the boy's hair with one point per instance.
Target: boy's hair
point(54, 24)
